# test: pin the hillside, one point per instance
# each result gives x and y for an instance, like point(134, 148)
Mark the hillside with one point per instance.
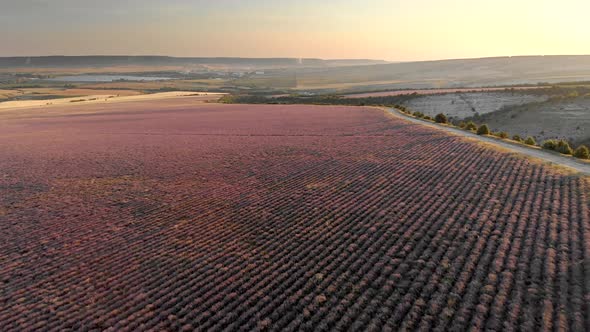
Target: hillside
point(164, 61)
point(459, 106)
point(450, 73)
point(309, 75)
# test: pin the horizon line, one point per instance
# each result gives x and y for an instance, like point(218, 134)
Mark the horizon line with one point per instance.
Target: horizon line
point(289, 58)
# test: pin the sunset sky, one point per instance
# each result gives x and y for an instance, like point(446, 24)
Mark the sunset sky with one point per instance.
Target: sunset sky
point(396, 30)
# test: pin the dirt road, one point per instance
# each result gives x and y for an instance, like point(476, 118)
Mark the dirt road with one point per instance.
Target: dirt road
point(574, 164)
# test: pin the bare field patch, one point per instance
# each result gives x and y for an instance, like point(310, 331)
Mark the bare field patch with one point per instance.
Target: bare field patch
point(67, 104)
point(43, 96)
point(5, 94)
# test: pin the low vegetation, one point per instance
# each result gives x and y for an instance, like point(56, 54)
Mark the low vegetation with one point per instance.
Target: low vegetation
point(470, 125)
point(549, 144)
point(530, 141)
point(582, 152)
point(561, 146)
point(419, 114)
point(483, 130)
point(441, 118)
point(388, 101)
point(501, 134)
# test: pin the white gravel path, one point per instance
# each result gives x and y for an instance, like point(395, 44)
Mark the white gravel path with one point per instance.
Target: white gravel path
point(554, 158)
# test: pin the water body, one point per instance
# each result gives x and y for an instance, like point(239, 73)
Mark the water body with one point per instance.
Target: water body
point(106, 78)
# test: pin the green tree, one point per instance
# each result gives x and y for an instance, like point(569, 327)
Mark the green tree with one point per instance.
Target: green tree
point(501, 134)
point(550, 144)
point(483, 130)
point(530, 141)
point(564, 147)
point(582, 152)
point(441, 118)
point(470, 126)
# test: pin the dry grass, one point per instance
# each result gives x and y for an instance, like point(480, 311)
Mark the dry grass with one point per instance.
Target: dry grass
point(67, 104)
point(5, 94)
point(560, 169)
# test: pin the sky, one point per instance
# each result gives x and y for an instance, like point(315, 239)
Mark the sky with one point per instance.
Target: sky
point(394, 30)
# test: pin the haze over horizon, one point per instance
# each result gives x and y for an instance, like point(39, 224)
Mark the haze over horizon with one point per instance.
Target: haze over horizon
point(393, 30)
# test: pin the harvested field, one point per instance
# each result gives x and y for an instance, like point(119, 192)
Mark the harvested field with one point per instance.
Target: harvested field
point(37, 95)
point(164, 215)
point(5, 94)
point(57, 105)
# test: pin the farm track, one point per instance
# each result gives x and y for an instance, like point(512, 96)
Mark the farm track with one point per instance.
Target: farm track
point(366, 226)
point(554, 158)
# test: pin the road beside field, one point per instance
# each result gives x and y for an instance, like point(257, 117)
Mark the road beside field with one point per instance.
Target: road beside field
point(576, 165)
point(177, 214)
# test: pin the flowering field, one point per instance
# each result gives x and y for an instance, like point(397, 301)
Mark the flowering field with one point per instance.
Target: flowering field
point(227, 217)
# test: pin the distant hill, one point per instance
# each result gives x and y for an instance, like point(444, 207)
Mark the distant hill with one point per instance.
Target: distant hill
point(451, 73)
point(331, 76)
point(156, 61)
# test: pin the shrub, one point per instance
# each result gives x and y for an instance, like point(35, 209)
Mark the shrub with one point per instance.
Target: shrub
point(441, 118)
point(418, 114)
point(582, 152)
point(403, 109)
point(564, 147)
point(550, 144)
point(530, 141)
point(426, 117)
point(503, 134)
point(517, 138)
point(462, 125)
point(483, 130)
point(470, 126)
